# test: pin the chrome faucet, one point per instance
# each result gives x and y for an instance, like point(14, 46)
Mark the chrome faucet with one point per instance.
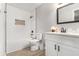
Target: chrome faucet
point(63, 30)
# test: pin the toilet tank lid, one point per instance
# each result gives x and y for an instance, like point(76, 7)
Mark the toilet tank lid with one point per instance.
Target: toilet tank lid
point(39, 36)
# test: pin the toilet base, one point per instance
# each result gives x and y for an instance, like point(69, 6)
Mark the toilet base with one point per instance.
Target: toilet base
point(34, 46)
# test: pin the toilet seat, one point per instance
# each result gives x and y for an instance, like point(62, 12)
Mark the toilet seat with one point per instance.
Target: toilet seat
point(35, 43)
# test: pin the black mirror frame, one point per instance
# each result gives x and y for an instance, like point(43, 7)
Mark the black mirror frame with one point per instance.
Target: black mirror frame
point(58, 15)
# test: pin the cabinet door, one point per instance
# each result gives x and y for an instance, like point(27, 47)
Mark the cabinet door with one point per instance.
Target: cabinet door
point(66, 50)
point(50, 47)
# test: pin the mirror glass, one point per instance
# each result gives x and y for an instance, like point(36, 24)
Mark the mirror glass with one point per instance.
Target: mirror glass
point(68, 13)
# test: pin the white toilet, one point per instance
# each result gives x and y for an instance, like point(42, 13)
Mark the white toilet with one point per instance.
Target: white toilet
point(35, 42)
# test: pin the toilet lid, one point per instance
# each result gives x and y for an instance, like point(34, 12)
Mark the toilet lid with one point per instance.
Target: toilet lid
point(33, 40)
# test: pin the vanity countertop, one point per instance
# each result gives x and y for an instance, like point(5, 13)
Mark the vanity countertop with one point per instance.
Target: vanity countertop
point(65, 34)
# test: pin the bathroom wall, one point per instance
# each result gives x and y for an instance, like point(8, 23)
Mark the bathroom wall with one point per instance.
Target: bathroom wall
point(73, 27)
point(17, 35)
point(2, 29)
point(46, 17)
point(33, 21)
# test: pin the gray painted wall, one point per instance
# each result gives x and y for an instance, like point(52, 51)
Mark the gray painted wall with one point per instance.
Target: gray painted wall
point(46, 17)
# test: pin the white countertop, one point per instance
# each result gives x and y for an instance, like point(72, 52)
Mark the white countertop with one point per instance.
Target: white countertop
point(65, 34)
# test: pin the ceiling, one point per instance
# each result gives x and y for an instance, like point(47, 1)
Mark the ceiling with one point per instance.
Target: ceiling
point(26, 6)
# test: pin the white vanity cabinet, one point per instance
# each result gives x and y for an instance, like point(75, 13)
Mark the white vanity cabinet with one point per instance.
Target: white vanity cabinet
point(66, 50)
point(61, 45)
point(51, 44)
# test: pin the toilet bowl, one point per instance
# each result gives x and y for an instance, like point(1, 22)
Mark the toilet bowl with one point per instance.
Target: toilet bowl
point(34, 43)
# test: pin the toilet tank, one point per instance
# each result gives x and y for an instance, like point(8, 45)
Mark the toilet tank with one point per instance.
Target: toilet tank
point(39, 36)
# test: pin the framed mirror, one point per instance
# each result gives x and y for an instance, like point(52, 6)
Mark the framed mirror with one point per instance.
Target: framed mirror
point(68, 13)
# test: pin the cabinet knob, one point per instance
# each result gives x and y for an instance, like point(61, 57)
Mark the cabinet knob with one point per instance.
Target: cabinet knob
point(55, 47)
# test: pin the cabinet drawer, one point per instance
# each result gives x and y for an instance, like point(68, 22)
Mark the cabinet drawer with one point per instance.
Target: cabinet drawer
point(52, 38)
point(66, 50)
point(70, 41)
